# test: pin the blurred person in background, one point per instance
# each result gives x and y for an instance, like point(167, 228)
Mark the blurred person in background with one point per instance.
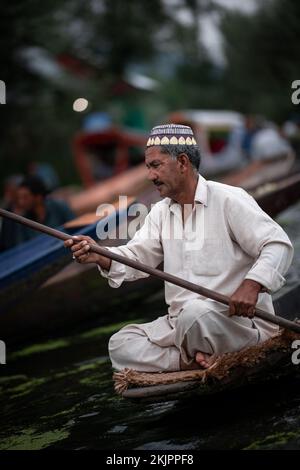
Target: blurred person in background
point(46, 173)
point(32, 202)
point(10, 188)
point(252, 126)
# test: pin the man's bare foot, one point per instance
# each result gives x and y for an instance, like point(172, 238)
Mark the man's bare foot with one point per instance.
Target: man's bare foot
point(192, 366)
point(204, 360)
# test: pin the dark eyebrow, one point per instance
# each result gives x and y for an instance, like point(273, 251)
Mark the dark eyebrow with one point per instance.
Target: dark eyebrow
point(154, 162)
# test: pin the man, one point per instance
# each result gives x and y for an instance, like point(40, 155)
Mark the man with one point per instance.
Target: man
point(32, 202)
point(205, 232)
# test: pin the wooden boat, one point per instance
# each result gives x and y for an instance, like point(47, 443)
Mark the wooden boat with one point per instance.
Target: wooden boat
point(278, 195)
point(268, 361)
point(129, 183)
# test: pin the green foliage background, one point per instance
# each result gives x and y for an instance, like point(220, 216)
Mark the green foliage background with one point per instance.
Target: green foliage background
point(261, 60)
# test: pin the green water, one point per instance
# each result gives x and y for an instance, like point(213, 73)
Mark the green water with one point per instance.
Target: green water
point(58, 394)
point(61, 397)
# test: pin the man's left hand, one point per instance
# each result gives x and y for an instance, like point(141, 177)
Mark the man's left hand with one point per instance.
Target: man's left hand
point(244, 299)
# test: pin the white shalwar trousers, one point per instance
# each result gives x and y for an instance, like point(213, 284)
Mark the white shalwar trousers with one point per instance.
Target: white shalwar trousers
point(202, 325)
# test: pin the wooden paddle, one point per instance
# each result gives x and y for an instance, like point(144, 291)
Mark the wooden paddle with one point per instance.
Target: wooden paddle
point(290, 325)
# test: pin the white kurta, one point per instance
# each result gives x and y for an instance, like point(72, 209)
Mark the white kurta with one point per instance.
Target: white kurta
point(227, 238)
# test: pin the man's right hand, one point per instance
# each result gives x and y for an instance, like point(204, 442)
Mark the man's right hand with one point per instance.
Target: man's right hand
point(80, 246)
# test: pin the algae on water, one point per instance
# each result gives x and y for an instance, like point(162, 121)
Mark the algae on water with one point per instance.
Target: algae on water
point(30, 439)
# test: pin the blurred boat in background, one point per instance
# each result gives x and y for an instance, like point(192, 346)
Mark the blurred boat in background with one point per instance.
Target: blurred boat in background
point(221, 136)
point(110, 161)
point(101, 154)
point(218, 134)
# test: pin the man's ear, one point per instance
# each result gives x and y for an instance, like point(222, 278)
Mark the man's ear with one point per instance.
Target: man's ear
point(183, 160)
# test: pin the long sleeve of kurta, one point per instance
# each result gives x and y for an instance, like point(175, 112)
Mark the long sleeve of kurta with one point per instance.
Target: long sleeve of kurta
point(261, 238)
point(144, 247)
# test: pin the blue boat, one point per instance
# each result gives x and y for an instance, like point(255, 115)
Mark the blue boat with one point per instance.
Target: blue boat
point(26, 267)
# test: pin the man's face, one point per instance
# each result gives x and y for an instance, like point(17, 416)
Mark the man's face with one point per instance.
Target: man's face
point(25, 199)
point(163, 172)
point(10, 193)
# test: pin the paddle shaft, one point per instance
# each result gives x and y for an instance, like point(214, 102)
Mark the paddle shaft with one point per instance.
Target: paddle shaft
point(149, 270)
